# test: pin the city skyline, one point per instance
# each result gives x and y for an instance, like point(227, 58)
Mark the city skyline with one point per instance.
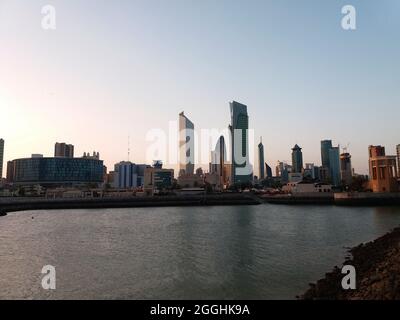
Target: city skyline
point(301, 85)
point(336, 151)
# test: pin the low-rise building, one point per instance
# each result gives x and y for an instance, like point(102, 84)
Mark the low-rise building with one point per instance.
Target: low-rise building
point(58, 171)
point(190, 180)
point(382, 170)
point(156, 178)
point(303, 187)
point(295, 177)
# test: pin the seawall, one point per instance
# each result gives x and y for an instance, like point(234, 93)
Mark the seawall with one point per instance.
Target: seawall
point(301, 199)
point(24, 204)
point(367, 199)
point(339, 199)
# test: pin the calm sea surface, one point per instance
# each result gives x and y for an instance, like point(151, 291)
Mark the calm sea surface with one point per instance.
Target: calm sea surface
point(240, 252)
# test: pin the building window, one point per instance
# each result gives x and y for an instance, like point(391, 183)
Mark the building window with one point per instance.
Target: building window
point(382, 173)
point(374, 175)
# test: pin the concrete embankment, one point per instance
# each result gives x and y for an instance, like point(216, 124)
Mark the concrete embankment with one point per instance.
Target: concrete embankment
point(299, 199)
point(377, 266)
point(339, 198)
point(23, 204)
point(367, 199)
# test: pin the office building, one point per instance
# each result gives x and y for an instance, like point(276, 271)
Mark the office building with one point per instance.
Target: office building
point(186, 145)
point(282, 171)
point(191, 180)
point(58, 171)
point(330, 158)
point(261, 161)
point(398, 159)
point(228, 174)
point(334, 166)
point(268, 170)
point(10, 172)
point(297, 159)
point(63, 150)
point(241, 167)
point(156, 178)
point(346, 171)
point(382, 170)
point(310, 171)
point(218, 160)
point(326, 145)
point(295, 177)
point(1, 157)
point(324, 174)
point(125, 175)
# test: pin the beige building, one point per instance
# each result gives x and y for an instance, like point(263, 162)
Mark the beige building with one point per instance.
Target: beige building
point(63, 150)
point(303, 187)
point(190, 180)
point(382, 170)
point(227, 175)
point(156, 178)
point(214, 180)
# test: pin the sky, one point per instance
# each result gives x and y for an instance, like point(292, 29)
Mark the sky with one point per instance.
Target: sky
point(113, 69)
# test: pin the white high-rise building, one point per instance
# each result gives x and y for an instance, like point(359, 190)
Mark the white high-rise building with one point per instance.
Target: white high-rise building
point(186, 145)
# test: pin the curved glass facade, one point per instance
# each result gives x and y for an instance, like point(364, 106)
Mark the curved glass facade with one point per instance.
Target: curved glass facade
point(57, 171)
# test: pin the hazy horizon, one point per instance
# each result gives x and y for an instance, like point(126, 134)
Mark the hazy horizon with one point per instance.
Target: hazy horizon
point(113, 70)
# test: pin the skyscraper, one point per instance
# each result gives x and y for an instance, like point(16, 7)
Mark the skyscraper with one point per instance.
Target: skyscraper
point(297, 159)
point(326, 145)
point(261, 160)
point(346, 172)
point(1, 157)
point(218, 161)
point(63, 150)
point(241, 167)
point(282, 170)
point(186, 145)
point(268, 170)
point(220, 151)
point(334, 165)
point(398, 160)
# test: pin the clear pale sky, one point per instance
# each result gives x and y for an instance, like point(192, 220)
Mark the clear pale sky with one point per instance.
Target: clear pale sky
point(118, 68)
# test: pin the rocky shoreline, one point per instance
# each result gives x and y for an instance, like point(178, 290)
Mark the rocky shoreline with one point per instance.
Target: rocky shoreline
point(377, 265)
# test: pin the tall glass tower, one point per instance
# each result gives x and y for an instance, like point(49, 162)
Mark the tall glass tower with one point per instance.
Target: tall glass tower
point(186, 145)
point(297, 159)
point(241, 167)
point(326, 145)
point(334, 162)
point(261, 160)
point(398, 159)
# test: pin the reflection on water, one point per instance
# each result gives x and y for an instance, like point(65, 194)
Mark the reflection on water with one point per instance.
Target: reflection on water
point(239, 252)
